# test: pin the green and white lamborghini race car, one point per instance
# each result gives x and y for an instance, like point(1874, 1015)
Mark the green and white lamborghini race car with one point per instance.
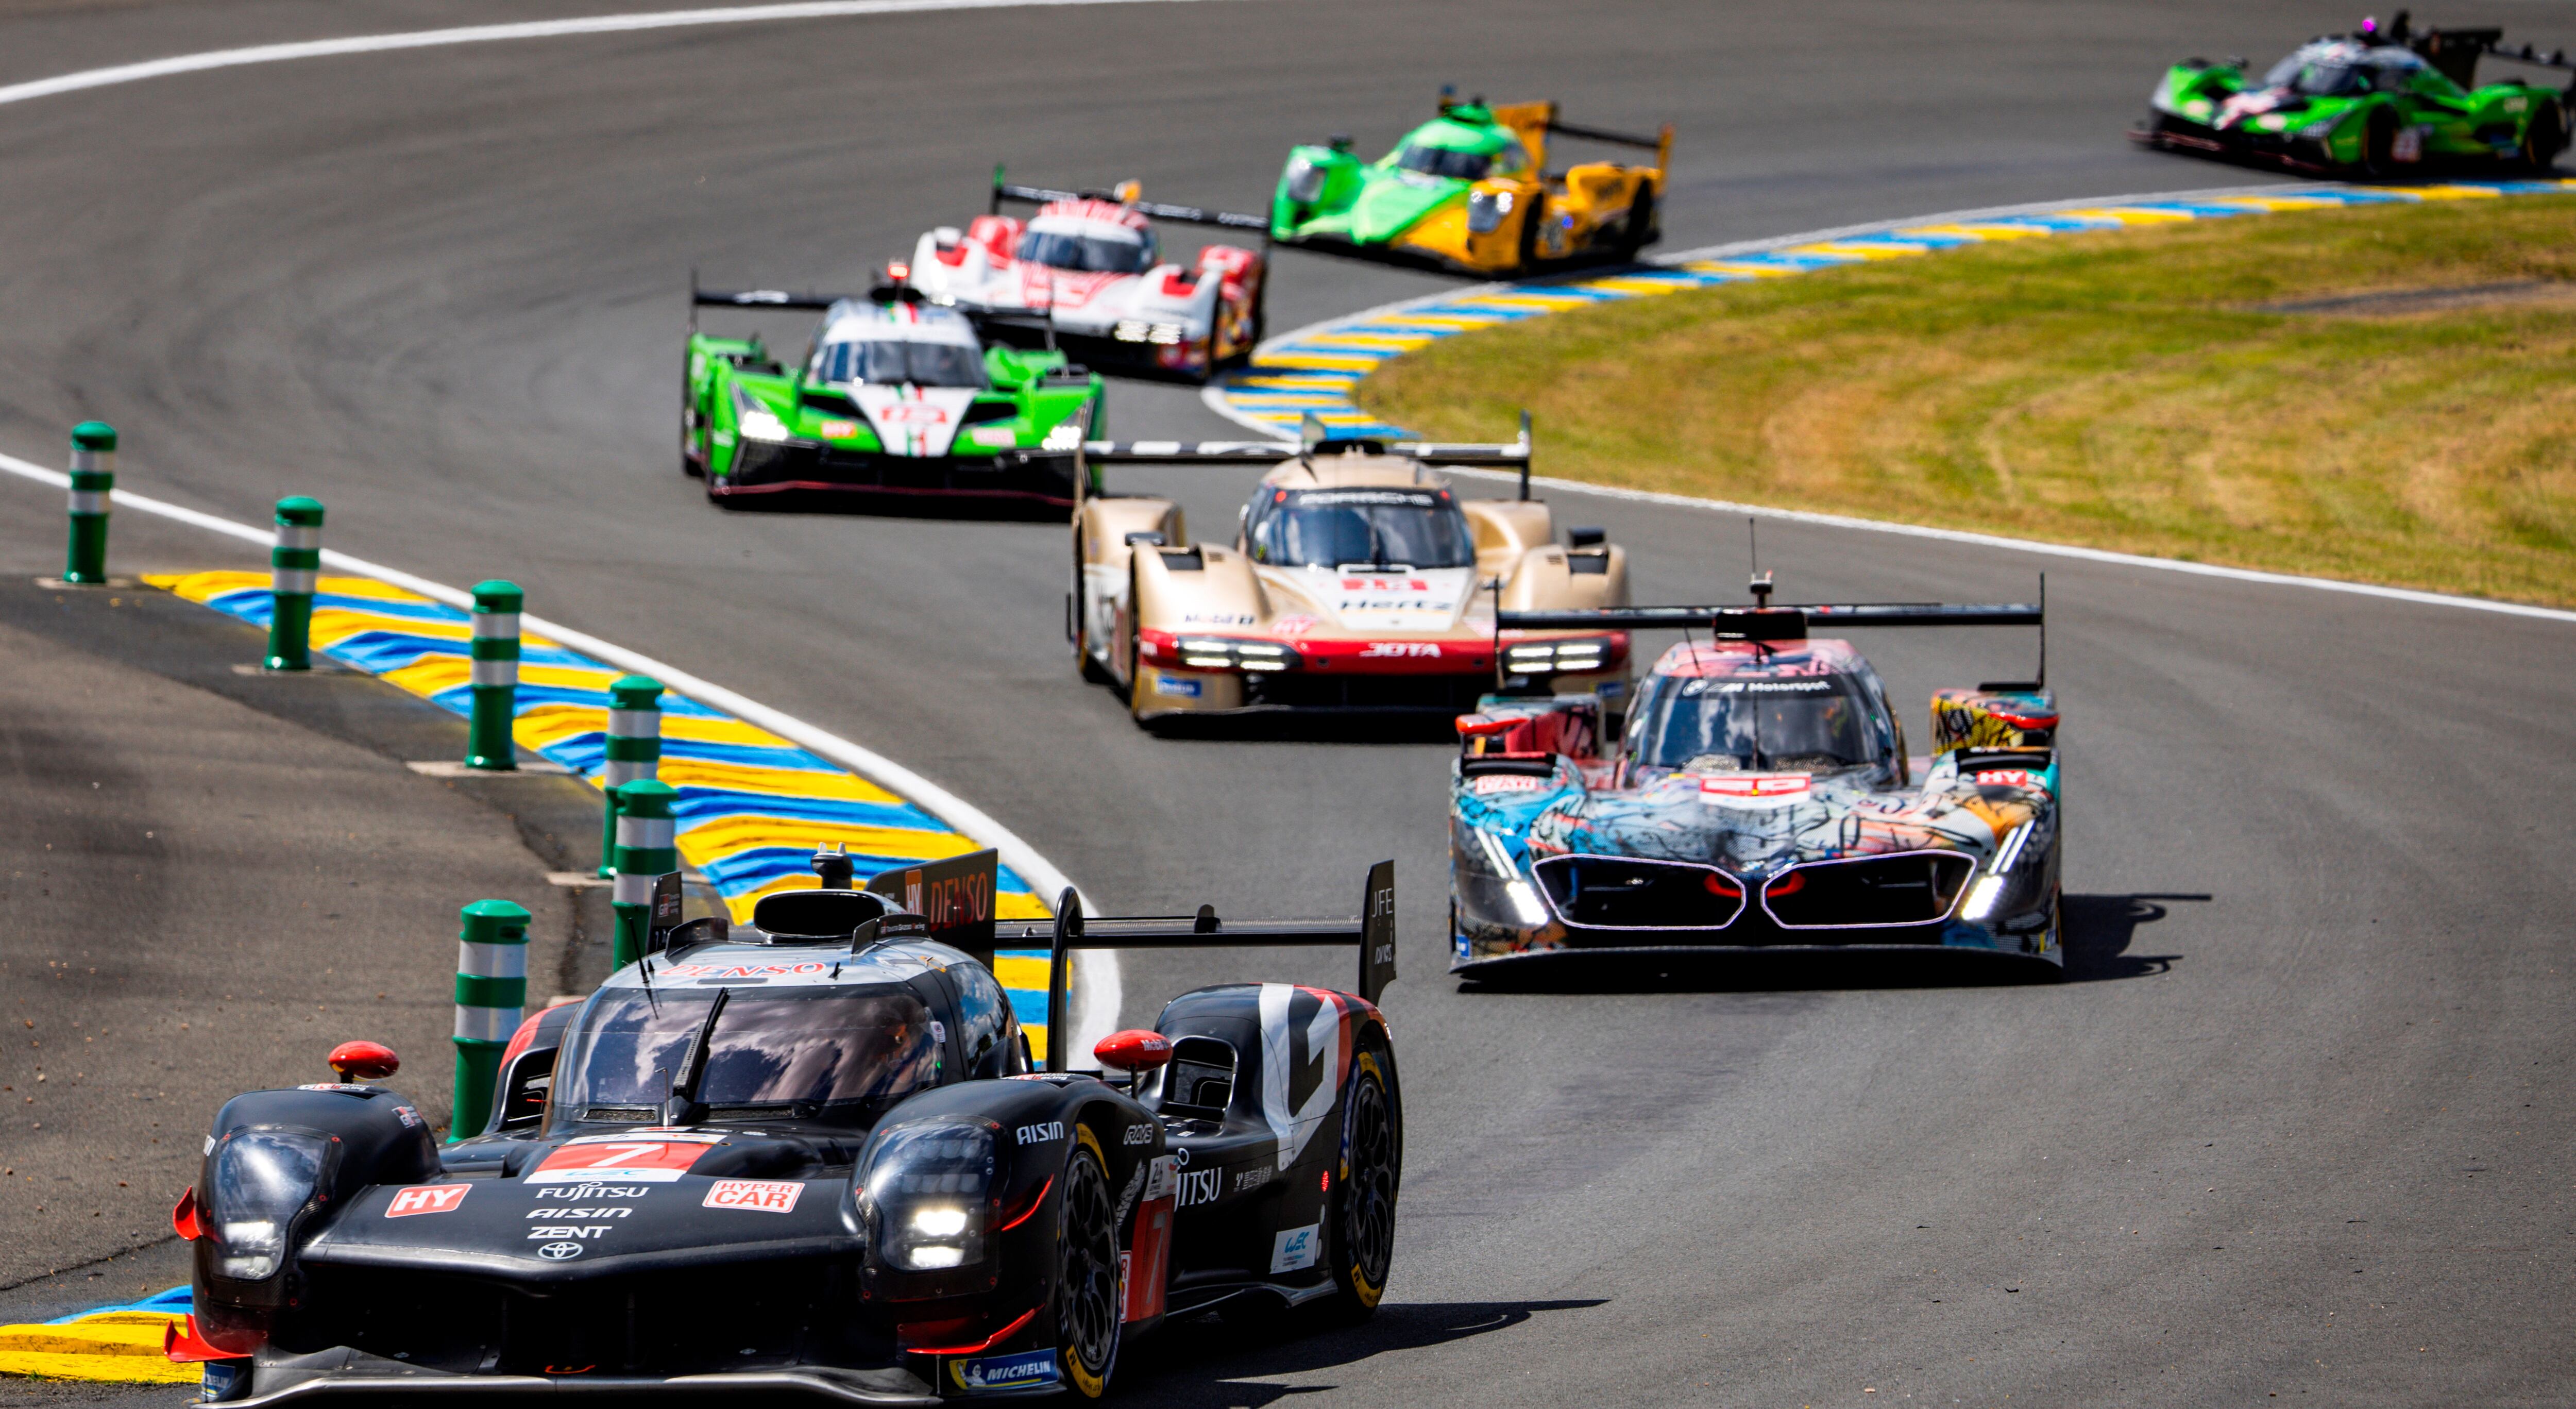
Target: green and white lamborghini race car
point(892, 398)
point(2378, 102)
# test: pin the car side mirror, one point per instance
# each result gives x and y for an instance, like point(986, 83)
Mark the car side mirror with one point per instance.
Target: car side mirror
point(1586, 537)
point(1134, 1051)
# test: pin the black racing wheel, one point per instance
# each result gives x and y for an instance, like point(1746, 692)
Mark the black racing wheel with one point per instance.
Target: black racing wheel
point(1639, 231)
point(1361, 1239)
point(2544, 138)
point(2379, 144)
point(1086, 1300)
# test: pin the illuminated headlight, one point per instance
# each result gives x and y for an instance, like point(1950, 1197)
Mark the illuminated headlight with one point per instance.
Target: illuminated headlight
point(1546, 657)
point(1129, 330)
point(927, 1187)
point(1165, 334)
point(262, 1180)
point(1524, 898)
point(1486, 209)
point(1225, 653)
point(761, 425)
point(1064, 437)
point(1305, 181)
point(1982, 897)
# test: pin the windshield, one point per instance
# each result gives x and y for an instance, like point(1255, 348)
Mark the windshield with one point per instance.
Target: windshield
point(892, 362)
point(1443, 161)
point(2337, 71)
point(1805, 724)
point(796, 1051)
point(1376, 527)
point(1087, 254)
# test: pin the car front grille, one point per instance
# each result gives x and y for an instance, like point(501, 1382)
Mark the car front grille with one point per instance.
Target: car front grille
point(1870, 892)
point(1623, 893)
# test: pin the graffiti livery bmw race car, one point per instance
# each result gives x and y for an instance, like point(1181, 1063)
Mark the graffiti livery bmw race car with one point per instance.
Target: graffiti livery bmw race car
point(810, 1155)
point(1470, 191)
point(2377, 102)
point(1087, 272)
point(891, 398)
point(1358, 580)
point(1759, 798)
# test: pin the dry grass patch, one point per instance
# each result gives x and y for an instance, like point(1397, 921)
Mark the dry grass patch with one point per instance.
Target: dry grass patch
point(2383, 393)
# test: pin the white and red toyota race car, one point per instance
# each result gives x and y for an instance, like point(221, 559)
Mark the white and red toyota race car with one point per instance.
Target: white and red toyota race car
point(1086, 273)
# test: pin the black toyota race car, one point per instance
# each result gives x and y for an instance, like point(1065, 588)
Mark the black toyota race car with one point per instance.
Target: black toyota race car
point(810, 1155)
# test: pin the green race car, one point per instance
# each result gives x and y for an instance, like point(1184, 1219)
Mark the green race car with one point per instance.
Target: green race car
point(892, 398)
point(1470, 191)
point(2376, 103)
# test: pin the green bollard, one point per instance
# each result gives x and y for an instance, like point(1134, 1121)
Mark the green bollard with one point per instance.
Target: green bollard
point(93, 480)
point(293, 566)
point(646, 851)
point(634, 752)
point(491, 1001)
point(488, 744)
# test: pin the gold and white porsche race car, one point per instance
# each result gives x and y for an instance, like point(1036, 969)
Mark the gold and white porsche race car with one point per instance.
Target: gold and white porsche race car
point(1359, 580)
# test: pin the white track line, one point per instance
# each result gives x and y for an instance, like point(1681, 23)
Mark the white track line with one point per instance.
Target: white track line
point(1213, 397)
point(494, 33)
point(1099, 981)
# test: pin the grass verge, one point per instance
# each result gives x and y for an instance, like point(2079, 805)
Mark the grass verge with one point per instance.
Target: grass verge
point(2384, 393)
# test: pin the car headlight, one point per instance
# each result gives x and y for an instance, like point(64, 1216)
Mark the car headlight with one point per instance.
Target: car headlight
point(929, 1187)
point(1226, 653)
point(1064, 437)
point(1305, 181)
point(263, 1180)
point(755, 421)
point(1486, 209)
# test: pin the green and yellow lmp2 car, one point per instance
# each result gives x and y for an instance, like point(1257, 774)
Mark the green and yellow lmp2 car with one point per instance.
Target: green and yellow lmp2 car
point(892, 398)
point(1469, 191)
point(2376, 103)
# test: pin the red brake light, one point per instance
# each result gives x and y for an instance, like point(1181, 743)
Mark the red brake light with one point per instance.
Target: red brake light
point(364, 1061)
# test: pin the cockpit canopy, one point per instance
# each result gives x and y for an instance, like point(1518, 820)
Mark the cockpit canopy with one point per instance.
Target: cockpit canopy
point(840, 1053)
point(1089, 237)
point(1329, 528)
point(897, 345)
point(1463, 147)
point(2343, 68)
point(1751, 713)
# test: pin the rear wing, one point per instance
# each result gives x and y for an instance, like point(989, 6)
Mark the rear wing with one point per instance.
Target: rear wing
point(1764, 622)
point(1125, 195)
point(1312, 440)
point(1372, 930)
point(1661, 144)
point(755, 298)
point(2455, 53)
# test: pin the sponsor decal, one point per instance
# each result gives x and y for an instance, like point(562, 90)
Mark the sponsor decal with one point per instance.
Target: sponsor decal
point(1180, 685)
point(1758, 787)
point(993, 435)
point(427, 1198)
point(837, 430)
point(646, 1161)
point(332, 1086)
point(559, 1214)
point(580, 1193)
point(1384, 584)
point(1252, 1178)
point(2012, 778)
point(1297, 1248)
point(559, 1252)
point(1429, 649)
point(911, 413)
point(1181, 1156)
point(1611, 689)
point(409, 1117)
point(1506, 783)
point(1162, 1175)
point(1028, 1370)
point(803, 970)
point(1041, 1134)
point(1200, 1186)
point(1387, 498)
point(762, 1195)
point(1295, 624)
point(561, 1231)
point(1217, 618)
point(1800, 685)
point(1139, 1135)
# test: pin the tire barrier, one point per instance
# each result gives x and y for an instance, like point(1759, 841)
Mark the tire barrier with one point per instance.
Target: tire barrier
point(646, 852)
point(93, 479)
point(292, 567)
point(633, 752)
point(495, 677)
point(491, 1000)
point(1316, 370)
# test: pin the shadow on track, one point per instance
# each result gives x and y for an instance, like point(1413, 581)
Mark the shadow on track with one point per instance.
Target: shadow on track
point(2099, 929)
point(1210, 1359)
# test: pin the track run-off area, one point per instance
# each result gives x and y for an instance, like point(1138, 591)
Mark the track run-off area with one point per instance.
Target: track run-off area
point(2294, 1125)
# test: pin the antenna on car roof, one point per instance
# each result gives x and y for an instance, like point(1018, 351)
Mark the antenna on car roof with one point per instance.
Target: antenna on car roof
point(1525, 454)
point(1760, 581)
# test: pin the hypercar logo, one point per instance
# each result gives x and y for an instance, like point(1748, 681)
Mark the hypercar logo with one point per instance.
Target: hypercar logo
point(763, 1195)
point(427, 1198)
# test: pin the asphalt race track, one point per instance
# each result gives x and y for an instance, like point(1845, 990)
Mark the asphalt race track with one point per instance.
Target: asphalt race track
point(2296, 1127)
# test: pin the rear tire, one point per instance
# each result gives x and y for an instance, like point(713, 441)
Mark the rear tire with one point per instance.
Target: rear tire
point(1361, 1238)
point(1639, 232)
point(2544, 139)
point(1086, 1308)
point(2379, 145)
